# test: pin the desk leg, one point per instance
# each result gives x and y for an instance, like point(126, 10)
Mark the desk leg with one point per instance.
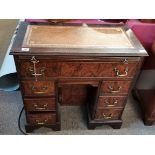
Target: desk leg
point(31, 128)
point(116, 125)
point(92, 124)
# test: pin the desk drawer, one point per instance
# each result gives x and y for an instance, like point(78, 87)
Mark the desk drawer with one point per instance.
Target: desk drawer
point(115, 87)
point(98, 69)
point(40, 104)
point(41, 119)
point(108, 114)
point(42, 67)
point(111, 102)
point(38, 88)
point(46, 68)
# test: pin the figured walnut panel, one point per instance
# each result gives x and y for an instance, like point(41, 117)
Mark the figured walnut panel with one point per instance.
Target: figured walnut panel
point(38, 88)
point(111, 102)
point(107, 114)
point(48, 68)
point(76, 37)
point(40, 104)
point(45, 67)
point(96, 69)
point(74, 94)
point(41, 118)
point(115, 87)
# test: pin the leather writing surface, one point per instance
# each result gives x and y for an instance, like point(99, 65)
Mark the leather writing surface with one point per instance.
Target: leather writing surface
point(76, 37)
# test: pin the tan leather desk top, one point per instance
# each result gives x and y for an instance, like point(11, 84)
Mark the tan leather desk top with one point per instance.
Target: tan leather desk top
point(76, 37)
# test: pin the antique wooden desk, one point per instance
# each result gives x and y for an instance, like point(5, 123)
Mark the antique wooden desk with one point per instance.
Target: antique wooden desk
point(94, 66)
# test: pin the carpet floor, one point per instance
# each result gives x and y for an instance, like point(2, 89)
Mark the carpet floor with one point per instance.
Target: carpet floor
point(73, 119)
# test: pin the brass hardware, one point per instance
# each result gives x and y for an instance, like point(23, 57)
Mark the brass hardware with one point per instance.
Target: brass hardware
point(34, 60)
point(111, 104)
point(33, 70)
point(37, 74)
point(30, 69)
point(115, 91)
point(44, 88)
point(39, 92)
point(125, 61)
point(119, 74)
point(33, 88)
point(40, 108)
point(41, 123)
point(107, 117)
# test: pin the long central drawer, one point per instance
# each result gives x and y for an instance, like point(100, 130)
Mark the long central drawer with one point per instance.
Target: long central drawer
point(48, 68)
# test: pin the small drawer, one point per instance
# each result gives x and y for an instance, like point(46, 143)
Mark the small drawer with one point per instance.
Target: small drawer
point(37, 68)
point(41, 119)
point(38, 88)
point(115, 87)
point(108, 114)
point(40, 104)
point(111, 102)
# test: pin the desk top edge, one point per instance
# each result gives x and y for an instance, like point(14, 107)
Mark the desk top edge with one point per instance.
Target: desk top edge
point(17, 48)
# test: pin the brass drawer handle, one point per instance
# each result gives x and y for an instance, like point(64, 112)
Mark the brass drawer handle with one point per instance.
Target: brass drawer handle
point(119, 74)
point(115, 91)
point(111, 104)
point(44, 88)
point(125, 61)
point(41, 123)
point(39, 92)
point(40, 108)
point(107, 117)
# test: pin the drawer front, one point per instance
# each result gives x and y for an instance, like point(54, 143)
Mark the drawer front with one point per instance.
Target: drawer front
point(115, 87)
point(111, 102)
point(38, 88)
point(40, 104)
point(44, 68)
point(41, 119)
point(108, 114)
point(98, 69)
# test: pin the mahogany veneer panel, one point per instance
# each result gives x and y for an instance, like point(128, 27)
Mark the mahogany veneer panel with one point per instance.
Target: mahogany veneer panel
point(41, 118)
point(50, 68)
point(36, 88)
point(108, 114)
point(111, 101)
point(115, 87)
point(40, 104)
point(74, 94)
